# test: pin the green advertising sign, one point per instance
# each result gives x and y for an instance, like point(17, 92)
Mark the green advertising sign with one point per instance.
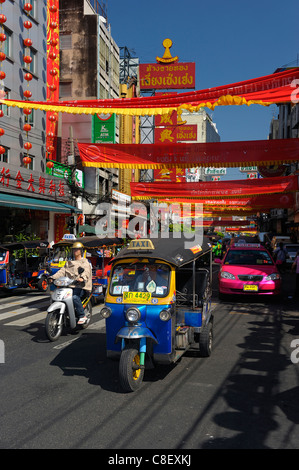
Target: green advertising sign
point(63, 171)
point(103, 128)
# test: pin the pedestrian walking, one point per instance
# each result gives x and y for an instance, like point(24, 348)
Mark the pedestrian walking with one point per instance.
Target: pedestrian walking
point(295, 265)
point(280, 256)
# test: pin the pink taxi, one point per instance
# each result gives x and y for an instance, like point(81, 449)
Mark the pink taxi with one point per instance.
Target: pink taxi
point(248, 269)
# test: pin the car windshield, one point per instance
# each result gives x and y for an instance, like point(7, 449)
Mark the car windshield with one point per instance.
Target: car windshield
point(248, 257)
point(140, 277)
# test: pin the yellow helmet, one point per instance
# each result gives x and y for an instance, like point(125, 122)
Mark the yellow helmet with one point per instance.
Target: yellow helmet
point(77, 245)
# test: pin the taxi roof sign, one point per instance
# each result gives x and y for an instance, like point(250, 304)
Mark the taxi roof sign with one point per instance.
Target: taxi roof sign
point(141, 244)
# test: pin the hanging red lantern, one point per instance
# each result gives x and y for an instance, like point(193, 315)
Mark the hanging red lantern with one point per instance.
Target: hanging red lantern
point(52, 118)
point(3, 19)
point(53, 24)
point(28, 76)
point(27, 7)
point(27, 24)
point(2, 56)
point(50, 164)
point(53, 42)
point(2, 150)
point(2, 75)
point(53, 72)
point(50, 134)
point(52, 55)
point(27, 94)
point(2, 1)
point(27, 59)
point(2, 37)
point(27, 146)
point(1, 113)
point(53, 8)
point(27, 127)
point(27, 111)
point(2, 131)
point(53, 87)
point(27, 42)
point(26, 160)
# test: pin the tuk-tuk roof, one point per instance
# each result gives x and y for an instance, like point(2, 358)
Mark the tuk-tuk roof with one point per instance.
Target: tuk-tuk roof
point(91, 242)
point(26, 244)
point(172, 250)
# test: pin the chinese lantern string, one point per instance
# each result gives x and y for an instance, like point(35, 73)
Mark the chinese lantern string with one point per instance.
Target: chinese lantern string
point(28, 77)
point(2, 73)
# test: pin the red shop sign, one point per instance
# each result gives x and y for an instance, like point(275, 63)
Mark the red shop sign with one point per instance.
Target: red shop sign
point(167, 76)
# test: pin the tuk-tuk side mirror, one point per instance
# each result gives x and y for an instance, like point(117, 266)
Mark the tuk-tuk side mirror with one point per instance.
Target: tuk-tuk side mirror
point(108, 273)
point(218, 260)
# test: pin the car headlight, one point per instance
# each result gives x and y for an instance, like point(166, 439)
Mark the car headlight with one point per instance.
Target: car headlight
point(227, 275)
point(106, 312)
point(272, 277)
point(165, 314)
point(133, 314)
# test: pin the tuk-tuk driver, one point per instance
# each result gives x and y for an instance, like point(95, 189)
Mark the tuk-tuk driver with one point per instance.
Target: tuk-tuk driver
point(151, 280)
point(71, 269)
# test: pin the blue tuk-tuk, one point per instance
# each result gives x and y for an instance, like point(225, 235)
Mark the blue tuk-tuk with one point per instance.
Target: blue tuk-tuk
point(23, 264)
point(158, 305)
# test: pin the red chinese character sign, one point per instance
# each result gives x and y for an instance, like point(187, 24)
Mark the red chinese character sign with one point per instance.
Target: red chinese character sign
point(168, 73)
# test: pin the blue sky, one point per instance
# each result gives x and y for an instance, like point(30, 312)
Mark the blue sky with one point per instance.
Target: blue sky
point(229, 41)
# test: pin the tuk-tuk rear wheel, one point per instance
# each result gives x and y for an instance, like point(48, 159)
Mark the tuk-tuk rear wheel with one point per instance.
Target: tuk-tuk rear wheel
point(130, 375)
point(206, 340)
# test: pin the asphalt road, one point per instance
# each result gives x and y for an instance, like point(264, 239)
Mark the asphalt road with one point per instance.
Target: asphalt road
point(67, 395)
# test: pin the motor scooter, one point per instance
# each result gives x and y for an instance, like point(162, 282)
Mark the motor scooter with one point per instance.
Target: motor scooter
point(61, 313)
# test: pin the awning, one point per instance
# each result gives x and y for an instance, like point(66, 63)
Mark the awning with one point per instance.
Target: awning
point(21, 202)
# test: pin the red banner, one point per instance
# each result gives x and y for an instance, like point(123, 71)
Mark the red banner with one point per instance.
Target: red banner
point(214, 189)
point(279, 87)
point(188, 155)
point(167, 76)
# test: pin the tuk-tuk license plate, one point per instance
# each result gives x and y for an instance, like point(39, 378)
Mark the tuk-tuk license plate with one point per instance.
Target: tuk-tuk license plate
point(250, 288)
point(137, 297)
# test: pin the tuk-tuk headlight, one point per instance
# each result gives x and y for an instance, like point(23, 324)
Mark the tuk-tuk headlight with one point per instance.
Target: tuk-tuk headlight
point(133, 314)
point(165, 314)
point(106, 312)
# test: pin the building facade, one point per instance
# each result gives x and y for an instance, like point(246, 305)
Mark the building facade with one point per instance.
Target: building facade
point(89, 69)
point(30, 199)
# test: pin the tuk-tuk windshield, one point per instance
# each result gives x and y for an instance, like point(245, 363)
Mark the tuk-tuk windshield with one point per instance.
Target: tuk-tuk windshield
point(140, 277)
point(2, 255)
point(62, 253)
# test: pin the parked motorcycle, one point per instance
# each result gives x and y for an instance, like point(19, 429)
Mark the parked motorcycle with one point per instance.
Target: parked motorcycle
point(61, 313)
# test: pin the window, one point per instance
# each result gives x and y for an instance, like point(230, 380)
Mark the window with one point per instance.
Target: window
point(65, 41)
point(33, 12)
point(31, 164)
point(8, 42)
point(4, 158)
point(32, 67)
point(6, 109)
point(65, 89)
point(29, 119)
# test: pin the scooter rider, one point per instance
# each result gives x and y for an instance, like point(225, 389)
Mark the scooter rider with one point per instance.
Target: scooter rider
point(72, 270)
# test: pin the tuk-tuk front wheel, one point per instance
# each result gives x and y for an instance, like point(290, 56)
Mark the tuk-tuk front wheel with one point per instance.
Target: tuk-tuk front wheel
point(130, 374)
point(43, 284)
